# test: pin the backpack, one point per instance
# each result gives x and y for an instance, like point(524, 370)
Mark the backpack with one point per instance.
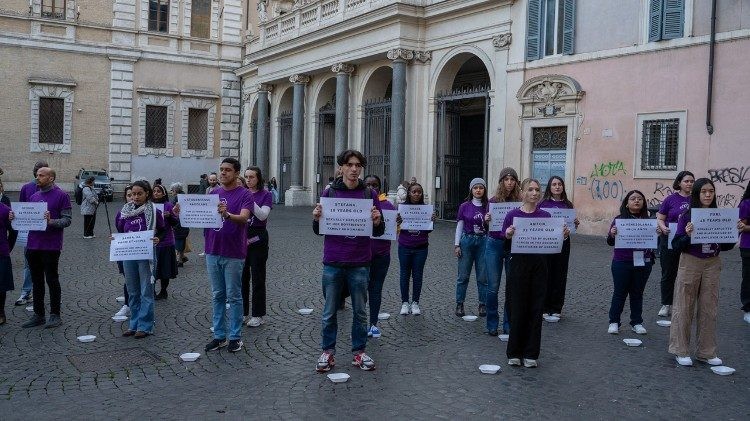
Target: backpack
point(79, 195)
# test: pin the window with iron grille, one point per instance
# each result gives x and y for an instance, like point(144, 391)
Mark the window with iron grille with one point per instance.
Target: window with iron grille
point(200, 19)
point(54, 9)
point(158, 15)
point(51, 120)
point(197, 128)
point(660, 141)
point(156, 126)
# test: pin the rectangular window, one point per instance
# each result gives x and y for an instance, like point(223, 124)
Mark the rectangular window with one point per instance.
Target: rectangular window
point(156, 126)
point(200, 19)
point(660, 139)
point(666, 19)
point(550, 28)
point(51, 120)
point(197, 128)
point(54, 9)
point(158, 15)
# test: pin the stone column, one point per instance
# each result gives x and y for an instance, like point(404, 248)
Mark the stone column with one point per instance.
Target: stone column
point(121, 118)
point(261, 160)
point(400, 57)
point(230, 114)
point(298, 195)
point(343, 71)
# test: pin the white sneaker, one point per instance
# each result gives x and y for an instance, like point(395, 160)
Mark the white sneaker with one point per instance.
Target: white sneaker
point(746, 318)
point(684, 361)
point(639, 329)
point(550, 318)
point(515, 362)
point(614, 328)
point(404, 309)
point(558, 315)
point(201, 254)
point(255, 322)
point(415, 309)
point(711, 361)
point(124, 311)
point(529, 363)
point(665, 311)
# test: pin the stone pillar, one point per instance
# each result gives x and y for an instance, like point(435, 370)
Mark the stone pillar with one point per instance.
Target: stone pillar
point(400, 57)
point(121, 118)
point(343, 71)
point(298, 195)
point(261, 160)
point(230, 114)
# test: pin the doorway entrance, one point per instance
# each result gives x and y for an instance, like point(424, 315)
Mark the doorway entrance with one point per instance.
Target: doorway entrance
point(285, 152)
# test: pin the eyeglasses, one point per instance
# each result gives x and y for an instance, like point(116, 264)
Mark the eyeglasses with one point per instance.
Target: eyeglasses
point(353, 165)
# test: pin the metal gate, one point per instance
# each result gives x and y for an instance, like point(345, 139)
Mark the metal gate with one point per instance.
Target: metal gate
point(285, 152)
point(326, 145)
point(548, 153)
point(376, 134)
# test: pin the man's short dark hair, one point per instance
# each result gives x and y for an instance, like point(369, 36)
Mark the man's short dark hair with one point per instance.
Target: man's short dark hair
point(234, 162)
point(39, 164)
point(344, 157)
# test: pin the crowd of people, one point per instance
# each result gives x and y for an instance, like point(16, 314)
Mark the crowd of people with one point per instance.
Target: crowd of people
point(357, 266)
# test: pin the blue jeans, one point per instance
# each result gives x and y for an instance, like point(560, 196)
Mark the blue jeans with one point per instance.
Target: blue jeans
point(334, 279)
point(472, 252)
point(140, 294)
point(27, 285)
point(411, 262)
point(225, 274)
point(378, 271)
point(494, 260)
point(630, 281)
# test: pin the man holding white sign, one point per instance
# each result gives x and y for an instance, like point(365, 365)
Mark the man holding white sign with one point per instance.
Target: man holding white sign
point(29, 216)
point(346, 254)
point(199, 211)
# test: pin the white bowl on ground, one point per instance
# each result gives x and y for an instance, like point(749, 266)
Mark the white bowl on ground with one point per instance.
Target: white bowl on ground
point(632, 342)
point(489, 368)
point(119, 318)
point(30, 308)
point(338, 377)
point(723, 370)
point(86, 338)
point(120, 299)
point(503, 337)
point(190, 356)
point(305, 311)
point(664, 323)
point(384, 316)
point(469, 318)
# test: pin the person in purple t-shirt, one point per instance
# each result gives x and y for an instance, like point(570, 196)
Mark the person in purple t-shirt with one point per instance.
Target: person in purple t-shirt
point(744, 227)
point(381, 261)
point(672, 207)
point(254, 269)
point(346, 261)
point(469, 244)
point(697, 284)
point(166, 257)
point(26, 191)
point(412, 254)
point(43, 248)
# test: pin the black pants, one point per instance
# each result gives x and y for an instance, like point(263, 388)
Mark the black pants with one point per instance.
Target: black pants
point(528, 284)
point(88, 225)
point(3, 296)
point(745, 288)
point(43, 266)
point(669, 260)
point(255, 270)
point(557, 279)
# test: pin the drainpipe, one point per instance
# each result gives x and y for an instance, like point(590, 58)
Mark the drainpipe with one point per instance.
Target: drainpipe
point(709, 99)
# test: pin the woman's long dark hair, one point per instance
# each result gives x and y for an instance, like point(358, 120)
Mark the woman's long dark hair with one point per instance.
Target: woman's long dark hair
point(548, 191)
point(625, 212)
point(747, 193)
point(163, 190)
point(408, 195)
point(145, 186)
point(678, 179)
point(695, 195)
point(259, 174)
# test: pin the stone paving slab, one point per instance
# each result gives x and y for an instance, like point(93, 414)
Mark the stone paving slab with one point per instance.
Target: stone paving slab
point(426, 365)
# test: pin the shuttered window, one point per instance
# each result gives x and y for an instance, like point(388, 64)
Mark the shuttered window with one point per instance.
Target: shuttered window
point(200, 19)
point(158, 15)
point(666, 19)
point(550, 28)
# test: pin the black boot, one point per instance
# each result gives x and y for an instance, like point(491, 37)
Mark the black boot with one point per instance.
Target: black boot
point(482, 310)
point(460, 310)
point(162, 295)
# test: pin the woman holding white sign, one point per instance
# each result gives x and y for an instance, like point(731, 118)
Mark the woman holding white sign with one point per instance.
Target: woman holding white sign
point(697, 284)
point(630, 268)
point(469, 241)
point(412, 255)
point(166, 257)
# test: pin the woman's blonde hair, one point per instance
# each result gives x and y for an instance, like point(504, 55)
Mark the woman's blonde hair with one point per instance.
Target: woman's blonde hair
point(525, 183)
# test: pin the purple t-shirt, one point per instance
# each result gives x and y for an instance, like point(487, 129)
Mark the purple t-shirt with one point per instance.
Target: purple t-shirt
point(745, 215)
point(626, 255)
point(51, 238)
point(518, 213)
point(138, 222)
point(27, 190)
point(701, 251)
point(413, 239)
point(4, 227)
point(231, 239)
point(552, 203)
point(350, 251)
point(382, 247)
point(168, 238)
point(473, 217)
point(261, 198)
point(673, 206)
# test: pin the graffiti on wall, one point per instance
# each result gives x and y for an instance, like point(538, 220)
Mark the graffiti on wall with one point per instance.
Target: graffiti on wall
point(730, 184)
point(661, 191)
point(608, 169)
point(605, 181)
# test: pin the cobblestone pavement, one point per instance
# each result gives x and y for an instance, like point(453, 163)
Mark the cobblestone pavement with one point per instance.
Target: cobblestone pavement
point(426, 365)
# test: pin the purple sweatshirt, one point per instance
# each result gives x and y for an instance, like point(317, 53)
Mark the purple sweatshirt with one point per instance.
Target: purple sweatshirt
point(261, 198)
point(382, 247)
point(745, 215)
point(167, 239)
point(27, 190)
point(52, 238)
point(231, 239)
point(626, 255)
point(473, 217)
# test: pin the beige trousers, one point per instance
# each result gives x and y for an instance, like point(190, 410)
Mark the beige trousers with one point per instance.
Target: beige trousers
point(697, 282)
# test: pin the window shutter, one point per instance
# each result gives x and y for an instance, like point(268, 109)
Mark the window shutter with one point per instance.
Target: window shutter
point(569, 26)
point(654, 20)
point(674, 18)
point(534, 30)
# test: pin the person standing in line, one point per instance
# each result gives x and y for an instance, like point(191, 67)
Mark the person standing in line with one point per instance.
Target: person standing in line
point(7, 240)
point(697, 283)
point(412, 255)
point(744, 227)
point(140, 215)
point(43, 248)
point(26, 191)
point(180, 233)
point(381, 261)
point(346, 261)
point(629, 273)
point(273, 187)
point(166, 256)
point(226, 249)
point(672, 207)
point(202, 184)
point(213, 182)
point(495, 258)
point(88, 207)
point(254, 269)
point(555, 196)
point(469, 242)
point(125, 309)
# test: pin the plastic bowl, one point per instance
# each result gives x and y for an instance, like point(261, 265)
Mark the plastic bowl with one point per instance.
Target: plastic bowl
point(30, 308)
point(305, 311)
point(723, 370)
point(469, 318)
point(664, 323)
point(86, 338)
point(489, 368)
point(120, 299)
point(632, 342)
point(119, 318)
point(503, 337)
point(338, 377)
point(190, 356)
point(384, 316)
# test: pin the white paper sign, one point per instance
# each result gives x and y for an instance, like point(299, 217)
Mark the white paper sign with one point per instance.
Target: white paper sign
point(29, 216)
point(347, 217)
point(199, 210)
point(639, 258)
point(714, 225)
point(537, 235)
point(389, 219)
point(672, 230)
point(498, 212)
point(636, 234)
point(416, 217)
point(23, 238)
point(132, 246)
point(569, 215)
